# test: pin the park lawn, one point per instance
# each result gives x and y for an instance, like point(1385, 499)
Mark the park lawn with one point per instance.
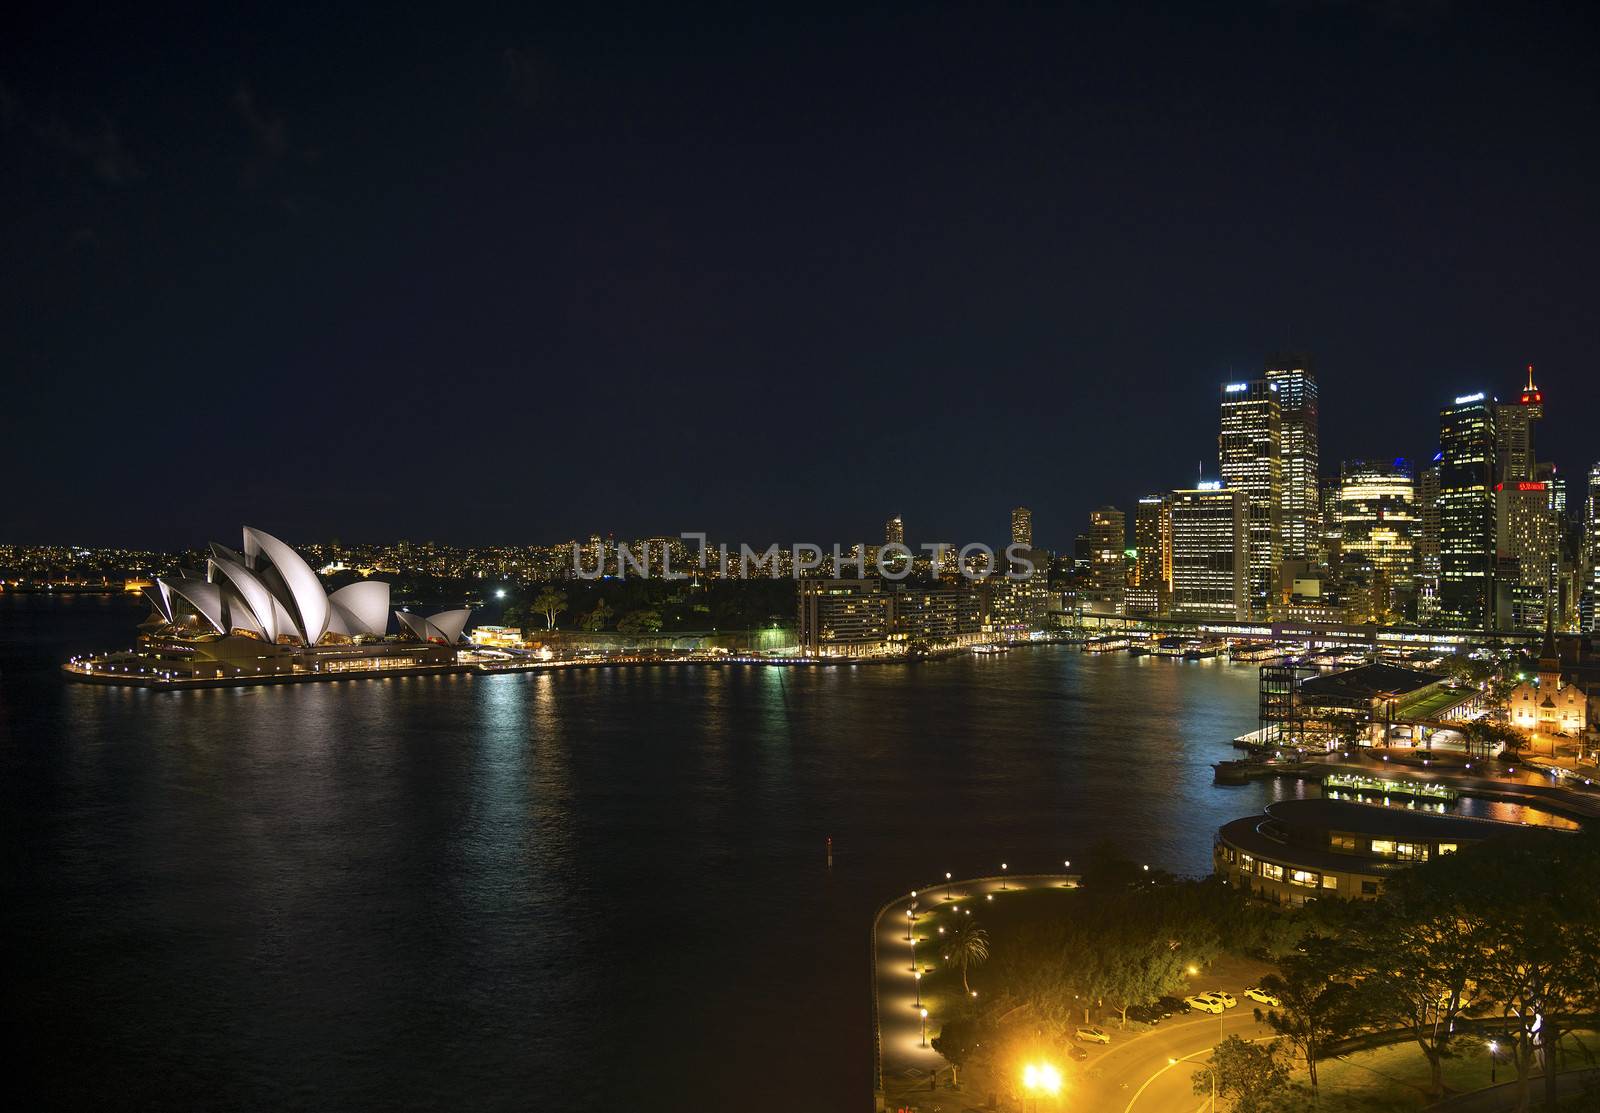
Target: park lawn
point(1394, 1079)
point(1433, 702)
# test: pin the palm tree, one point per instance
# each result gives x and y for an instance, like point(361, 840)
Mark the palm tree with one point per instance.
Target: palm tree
point(970, 948)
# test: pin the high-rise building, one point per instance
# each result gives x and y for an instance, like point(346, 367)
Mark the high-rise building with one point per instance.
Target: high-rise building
point(1428, 542)
point(894, 531)
point(1467, 512)
point(1108, 536)
point(1249, 449)
point(1528, 538)
point(1589, 606)
point(1022, 527)
point(1210, 553)
point(1378, 528)
point(1300, 451)
point(1151, 591)
point(1513, 424)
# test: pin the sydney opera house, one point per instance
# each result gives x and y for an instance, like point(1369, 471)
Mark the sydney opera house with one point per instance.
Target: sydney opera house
point(263, 614)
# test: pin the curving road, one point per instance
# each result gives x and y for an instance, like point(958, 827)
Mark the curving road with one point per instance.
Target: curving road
point(1131, 1075)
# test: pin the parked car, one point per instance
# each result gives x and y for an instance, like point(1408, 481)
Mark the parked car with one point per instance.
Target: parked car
point(1224, 996)
point(1256, 993)
point(1076, 1052)
point(1171, 1006)
point(1146, 1014)
point(1088, 1033)
point(1204, 1002)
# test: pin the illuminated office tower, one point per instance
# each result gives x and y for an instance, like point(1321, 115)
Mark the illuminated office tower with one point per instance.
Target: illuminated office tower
point(1151, 591)
point(1210, 553)
point(1467, 513)
point(1249, 451)
point(1108, 537)
point(1022, 527)
point(1528, 531)
point(1428, 543)
point(894, 531)
point(1589, 605)
point(1513, 427)
point(1300, 508)
point(1378, 528)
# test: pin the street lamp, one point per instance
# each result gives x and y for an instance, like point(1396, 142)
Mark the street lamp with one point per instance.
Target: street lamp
point(911, 917)
point(1041, 1078)
point(946, 884)
point(917, 974)
point(924, 1013)
point(1212, 1073)
point(1494, 1060)
point(1002, 877)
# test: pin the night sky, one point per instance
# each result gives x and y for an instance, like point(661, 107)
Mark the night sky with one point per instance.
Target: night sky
point(524, 275)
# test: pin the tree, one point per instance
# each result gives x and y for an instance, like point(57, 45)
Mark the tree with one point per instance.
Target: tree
point(1253, 1075)
point(644, 621)
point(1536, 901)
point(1137, 969)
point(969, 948)
point(1420, 960)
point(1317, 1005)
point(551, 602)
point(598, 618)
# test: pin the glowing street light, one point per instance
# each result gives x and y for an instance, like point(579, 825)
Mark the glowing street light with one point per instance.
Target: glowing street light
point(917, 974)
point(1041, 1078)
point(924, 1013)
point(1002, 877)
point(946, 884)
point(1494, 1060)
point(911, 917)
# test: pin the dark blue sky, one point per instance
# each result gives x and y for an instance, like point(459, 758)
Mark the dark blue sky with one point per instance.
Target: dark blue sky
point(514, 275)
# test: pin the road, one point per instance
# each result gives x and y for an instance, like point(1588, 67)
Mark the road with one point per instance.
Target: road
point(1131, 1075)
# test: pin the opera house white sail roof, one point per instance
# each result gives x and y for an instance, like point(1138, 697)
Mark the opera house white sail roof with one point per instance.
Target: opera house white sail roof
point(268, 591)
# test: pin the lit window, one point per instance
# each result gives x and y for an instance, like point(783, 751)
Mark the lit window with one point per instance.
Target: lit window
point(1271, 871)
point(1382, 846)
point(1447, 848)
point(1329, 881)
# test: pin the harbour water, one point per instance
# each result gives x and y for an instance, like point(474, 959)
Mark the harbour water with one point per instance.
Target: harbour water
point(602, 888)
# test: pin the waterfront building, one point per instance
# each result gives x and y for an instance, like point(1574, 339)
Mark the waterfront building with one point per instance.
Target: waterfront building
point(1249, 451)
point(1022, 527)
point(1300, 451)
point(1302, 850)
point(1210, 553)
point(1513, 423)
point(1377, 525)
point(1151, 590)
point(871, 617)
point(894, 531)
point(1108, 537)
point(262, 612)
point(1467, 530)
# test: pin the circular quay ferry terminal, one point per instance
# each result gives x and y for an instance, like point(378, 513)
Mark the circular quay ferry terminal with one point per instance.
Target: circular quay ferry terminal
point(260, 615)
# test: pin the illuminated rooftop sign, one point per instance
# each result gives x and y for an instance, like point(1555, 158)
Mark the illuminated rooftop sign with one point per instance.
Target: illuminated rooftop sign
point(1235, 388)
point(1465, 398)
point(1209, 485)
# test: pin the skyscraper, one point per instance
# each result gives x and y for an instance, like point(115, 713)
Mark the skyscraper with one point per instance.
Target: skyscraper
point(1210, 553)
point(1513, 447)
point(1022, 527)
point(1152, 538)
point(1378, 526)
point(1249, 449)
point(894, 531)
point(1428, 542)
point(1589, 608)
point(1300, 448)
point(1108, 537)
point(1467, 512)
point(1528, 533)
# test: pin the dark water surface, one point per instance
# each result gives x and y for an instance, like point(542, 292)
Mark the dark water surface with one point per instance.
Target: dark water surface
point(595, 889)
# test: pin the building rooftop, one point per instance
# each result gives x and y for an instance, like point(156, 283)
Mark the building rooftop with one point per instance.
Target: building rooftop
point(1383, 822)
point(1366, 682)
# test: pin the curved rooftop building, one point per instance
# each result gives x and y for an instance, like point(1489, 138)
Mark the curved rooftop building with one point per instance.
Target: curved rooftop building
point(262, 611)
